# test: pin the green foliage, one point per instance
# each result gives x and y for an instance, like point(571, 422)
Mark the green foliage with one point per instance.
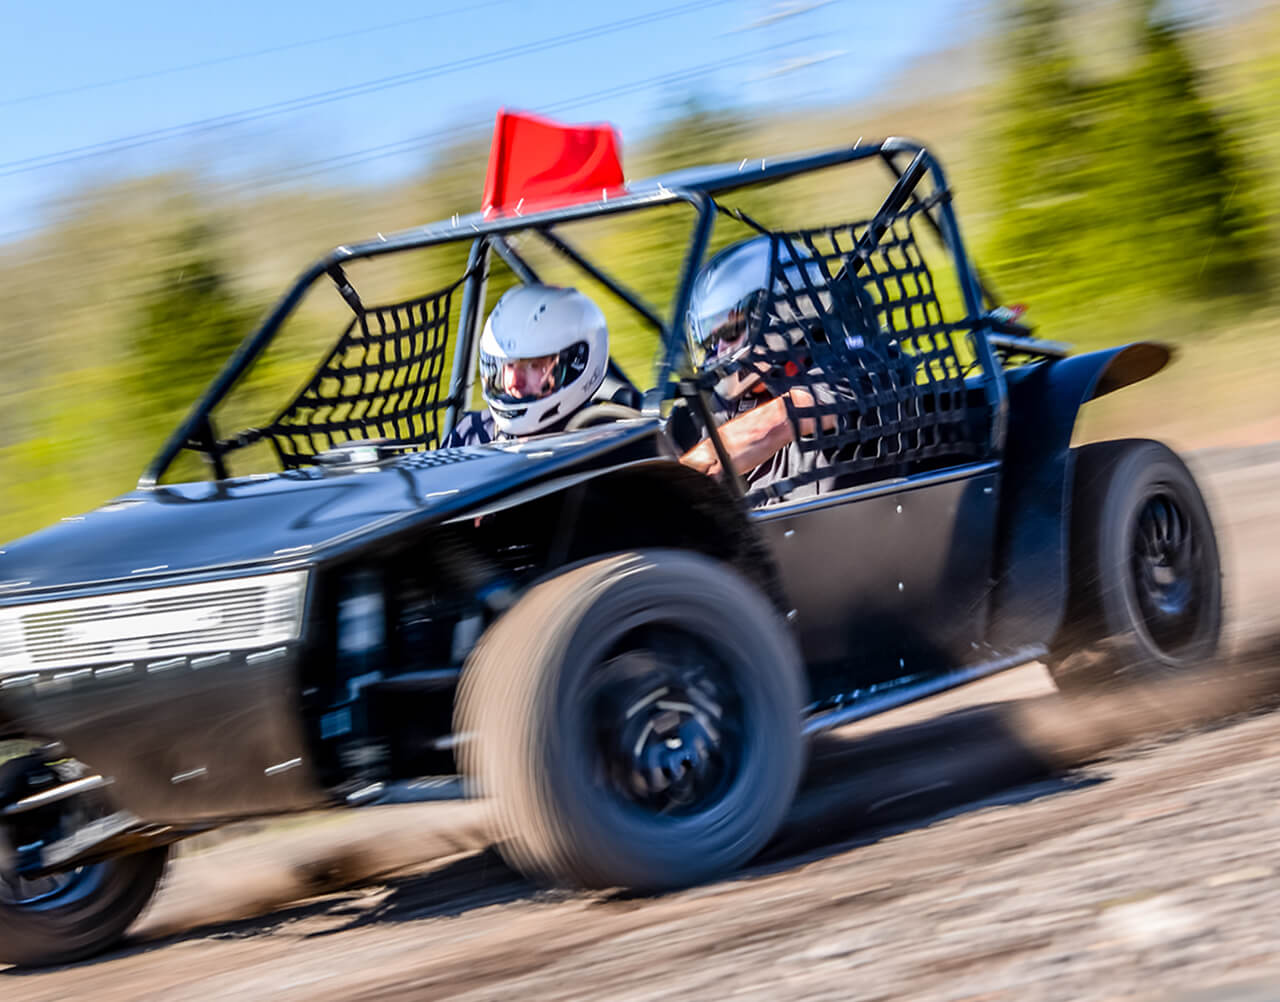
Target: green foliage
point(696, 133)
point(1202, 226)
point(1119, 192)
point(1041, 164)
point(188, 321)
point(1261, 119)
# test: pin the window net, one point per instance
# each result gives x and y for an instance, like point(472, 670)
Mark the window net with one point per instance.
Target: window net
point(855, 324)
point(382, 380)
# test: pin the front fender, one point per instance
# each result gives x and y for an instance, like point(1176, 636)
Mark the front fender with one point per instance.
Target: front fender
point(1030, 591)
point(654, 502)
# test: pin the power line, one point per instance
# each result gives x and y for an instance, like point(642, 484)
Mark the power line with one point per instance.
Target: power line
point(241, 56)
point(800, 63)
point(411, 144)
point(120, 145)
point(781, 12)
point(414, 143)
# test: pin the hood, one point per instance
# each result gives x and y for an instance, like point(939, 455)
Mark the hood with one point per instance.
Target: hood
point(302, 514)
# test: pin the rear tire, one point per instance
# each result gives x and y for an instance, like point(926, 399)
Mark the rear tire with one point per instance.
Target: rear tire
point(636, 722)
point(1145, 580)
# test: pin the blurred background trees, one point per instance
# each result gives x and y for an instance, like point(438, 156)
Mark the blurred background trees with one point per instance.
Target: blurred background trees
point(1123, 192)
point(187, 320)
point(1116, 168)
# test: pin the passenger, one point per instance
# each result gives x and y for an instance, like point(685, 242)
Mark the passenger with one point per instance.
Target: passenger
point(758, 379)
point(544, 352)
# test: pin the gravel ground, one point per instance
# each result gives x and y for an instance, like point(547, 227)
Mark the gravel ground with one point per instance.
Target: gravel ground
point(997, 842)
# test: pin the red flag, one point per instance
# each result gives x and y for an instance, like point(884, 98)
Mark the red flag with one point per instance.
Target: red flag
point(535, 160)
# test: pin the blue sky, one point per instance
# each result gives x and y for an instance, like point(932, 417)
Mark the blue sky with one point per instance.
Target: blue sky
point(81, 73)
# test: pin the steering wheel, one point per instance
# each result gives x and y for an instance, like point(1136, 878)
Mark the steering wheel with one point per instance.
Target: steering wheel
point(604, 412)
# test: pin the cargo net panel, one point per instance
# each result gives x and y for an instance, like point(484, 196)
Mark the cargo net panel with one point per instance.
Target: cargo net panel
point(858, 325)
point(382, 381)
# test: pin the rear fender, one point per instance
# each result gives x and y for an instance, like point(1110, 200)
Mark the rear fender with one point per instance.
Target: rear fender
point(1030, 591)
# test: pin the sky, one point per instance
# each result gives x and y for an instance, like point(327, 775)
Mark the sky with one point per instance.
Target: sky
point(327, 91)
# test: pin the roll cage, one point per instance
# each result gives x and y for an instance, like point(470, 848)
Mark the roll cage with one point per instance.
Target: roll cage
point(386, 371)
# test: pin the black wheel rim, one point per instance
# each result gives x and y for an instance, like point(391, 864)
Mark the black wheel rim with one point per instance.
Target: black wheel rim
point(56, 890)
point(53, 891)
point(1167, 559)
point(668, 723)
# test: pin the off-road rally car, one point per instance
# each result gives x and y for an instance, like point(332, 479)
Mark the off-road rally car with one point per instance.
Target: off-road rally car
point(624, 655)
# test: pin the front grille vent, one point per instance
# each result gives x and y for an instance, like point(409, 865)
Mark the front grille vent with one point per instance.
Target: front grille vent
point(231, 615)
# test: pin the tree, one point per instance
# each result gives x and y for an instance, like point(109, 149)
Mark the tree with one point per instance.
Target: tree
point(1042, 149)
point(1191, 187)
point(186, 324)
point(1118, 190)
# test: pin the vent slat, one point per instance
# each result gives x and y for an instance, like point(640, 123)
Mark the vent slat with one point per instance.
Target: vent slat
point(140, 624)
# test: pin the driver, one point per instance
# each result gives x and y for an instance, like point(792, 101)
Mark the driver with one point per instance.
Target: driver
point(543, 354)
point(759, 373)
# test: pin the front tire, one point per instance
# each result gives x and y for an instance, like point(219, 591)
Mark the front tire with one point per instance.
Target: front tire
point(1146, 582)
point(70, 916)
point(636, 722)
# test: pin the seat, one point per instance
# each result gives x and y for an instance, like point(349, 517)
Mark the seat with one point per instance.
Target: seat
point(618, 389)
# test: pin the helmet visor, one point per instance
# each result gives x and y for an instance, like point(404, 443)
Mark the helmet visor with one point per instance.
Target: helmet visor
point(721, 334)
point(525, 380)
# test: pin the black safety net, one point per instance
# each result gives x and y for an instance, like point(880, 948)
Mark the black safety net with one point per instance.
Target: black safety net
point(382, 381)
point(852, 335)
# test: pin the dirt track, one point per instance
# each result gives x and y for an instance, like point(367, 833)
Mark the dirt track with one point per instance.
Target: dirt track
point(993, 843)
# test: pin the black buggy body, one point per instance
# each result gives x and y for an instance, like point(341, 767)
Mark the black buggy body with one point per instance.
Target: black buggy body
point(625, 654)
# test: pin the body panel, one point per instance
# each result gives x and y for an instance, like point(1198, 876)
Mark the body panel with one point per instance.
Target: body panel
point(889, 580)
point(308, 514)
point(180, 739)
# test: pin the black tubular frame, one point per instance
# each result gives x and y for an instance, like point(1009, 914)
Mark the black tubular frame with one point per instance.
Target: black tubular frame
point(567, 250)
point(697, 188)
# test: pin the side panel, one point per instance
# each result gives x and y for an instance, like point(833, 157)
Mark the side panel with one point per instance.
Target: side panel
point(183, 739)
point(1030, 593)
point(892, 581)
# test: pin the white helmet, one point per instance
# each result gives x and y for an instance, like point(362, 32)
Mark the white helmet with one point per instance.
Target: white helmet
point(543, 354)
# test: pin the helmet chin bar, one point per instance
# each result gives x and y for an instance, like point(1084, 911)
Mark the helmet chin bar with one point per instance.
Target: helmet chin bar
point(507, 414)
